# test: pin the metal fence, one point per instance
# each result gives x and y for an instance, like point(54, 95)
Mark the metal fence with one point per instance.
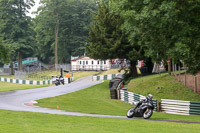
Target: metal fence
point(35, 77)
point(90, 67)
point(180, 107)
point(20, 75)
point(66, 67)
point(192, 82)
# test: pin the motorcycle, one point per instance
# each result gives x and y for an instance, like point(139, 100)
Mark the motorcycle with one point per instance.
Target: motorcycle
point(58, 80)
point(142, 109)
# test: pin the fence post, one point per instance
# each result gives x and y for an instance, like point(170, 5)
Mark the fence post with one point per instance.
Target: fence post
point(195, 84)
point(158, 106)
point(179, 68)
point(175, 69)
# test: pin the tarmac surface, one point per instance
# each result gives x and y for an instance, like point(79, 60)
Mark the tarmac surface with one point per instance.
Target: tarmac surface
point(23, 100)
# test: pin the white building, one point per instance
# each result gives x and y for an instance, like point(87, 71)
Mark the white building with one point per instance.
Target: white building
point(88, 64)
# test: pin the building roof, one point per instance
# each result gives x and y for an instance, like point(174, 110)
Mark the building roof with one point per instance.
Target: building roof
point(81, 58)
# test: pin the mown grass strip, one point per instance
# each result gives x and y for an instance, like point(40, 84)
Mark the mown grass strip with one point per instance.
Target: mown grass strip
point(27, 122)
point(96, 100)
point(5, 86)
point(162, 86)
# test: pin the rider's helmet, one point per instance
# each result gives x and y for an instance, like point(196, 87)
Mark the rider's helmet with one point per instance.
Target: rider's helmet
point(149, 96)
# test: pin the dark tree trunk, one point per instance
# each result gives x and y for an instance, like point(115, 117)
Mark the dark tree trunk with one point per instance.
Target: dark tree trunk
point(133, 69)
point(149, 65)
point(19, 61)
point(11, 67)
point(56, 34)
point(169, 67)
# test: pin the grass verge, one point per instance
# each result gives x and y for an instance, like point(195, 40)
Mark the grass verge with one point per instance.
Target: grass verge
point(96, 100)
point(27, 122)
point(5, 86)
point(81, 74)
point(111, 71)
point(76, 74)
point(162, 86)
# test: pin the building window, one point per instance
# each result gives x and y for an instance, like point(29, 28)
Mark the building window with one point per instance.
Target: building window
point(80, 62)
point(92, 62)
point(86, 62)
point(98, 62)
point(104, 62)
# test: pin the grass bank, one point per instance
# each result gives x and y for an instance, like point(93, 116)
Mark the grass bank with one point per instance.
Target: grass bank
point(27, 122)
point(76, 74)
point(162, 86)
point(96, 100)
point(5, 86)
point(111, 71)
point(81, 74)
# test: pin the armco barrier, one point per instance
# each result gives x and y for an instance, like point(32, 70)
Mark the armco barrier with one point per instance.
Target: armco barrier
point(104, 77)
point(30, 82)
point(180, 107)
point(130, 97)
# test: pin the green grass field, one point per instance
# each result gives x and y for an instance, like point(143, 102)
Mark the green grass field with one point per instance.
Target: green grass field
point(170, 88)
point(111, 71)
point(81, 74)
point(96, 100)
point(27, 122)
point(5, 86)
point(76, 74)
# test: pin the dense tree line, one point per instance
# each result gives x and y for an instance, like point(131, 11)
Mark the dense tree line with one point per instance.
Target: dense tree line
point(62, 25)
point(16, 38)
point(156, 29)
point(58, 32)
point(139, 29)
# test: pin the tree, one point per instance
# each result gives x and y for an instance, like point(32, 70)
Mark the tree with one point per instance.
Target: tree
point(15, 27)
point(73, 25)
point(166, 29)
point(3, 53)
point(108, 40)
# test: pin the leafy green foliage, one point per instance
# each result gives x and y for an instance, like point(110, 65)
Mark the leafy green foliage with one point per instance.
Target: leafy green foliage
point(165, 29)
point(15, 30)
point(3, 53)
point(73, 19)
point(108, 40)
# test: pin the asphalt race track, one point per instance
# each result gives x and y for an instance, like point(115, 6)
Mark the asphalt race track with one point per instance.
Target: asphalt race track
point(23, 100)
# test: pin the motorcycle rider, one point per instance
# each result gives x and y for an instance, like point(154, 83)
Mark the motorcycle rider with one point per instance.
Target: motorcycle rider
point(148, 99)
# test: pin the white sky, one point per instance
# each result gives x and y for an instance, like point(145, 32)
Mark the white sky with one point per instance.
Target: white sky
point(34, 8)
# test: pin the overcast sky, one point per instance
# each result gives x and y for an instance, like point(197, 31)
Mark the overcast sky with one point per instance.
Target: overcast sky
point(34, 8)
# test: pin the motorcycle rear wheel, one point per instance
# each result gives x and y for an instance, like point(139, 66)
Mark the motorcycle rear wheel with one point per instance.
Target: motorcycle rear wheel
point(148, 113)
point(130, 112)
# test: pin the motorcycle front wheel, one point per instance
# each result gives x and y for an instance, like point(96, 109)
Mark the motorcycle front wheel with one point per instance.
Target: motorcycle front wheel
point(148, 113)
point(130, 112)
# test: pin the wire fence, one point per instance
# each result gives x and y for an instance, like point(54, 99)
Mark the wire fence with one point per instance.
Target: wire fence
point(66, 67)
point(191, 81)
point(20, 75)
point(89, 67)
point(36, 77)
